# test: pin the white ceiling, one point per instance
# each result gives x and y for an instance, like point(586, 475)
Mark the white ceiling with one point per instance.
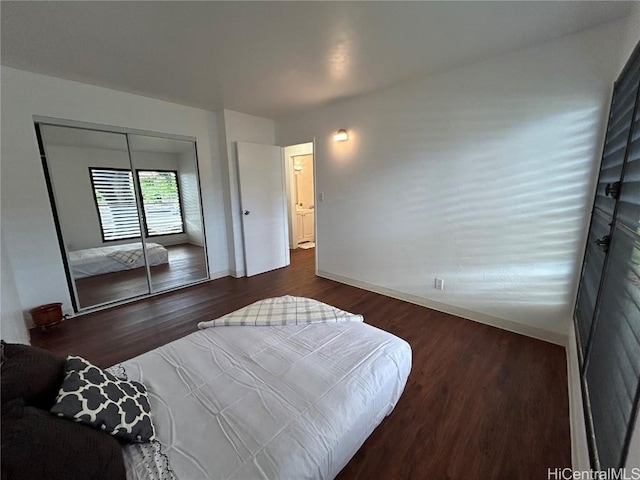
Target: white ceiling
point(274, 59)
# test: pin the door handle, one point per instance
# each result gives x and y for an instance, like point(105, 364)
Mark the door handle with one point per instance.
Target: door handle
point(612, 190)
point(603, 242)
point(246, 212)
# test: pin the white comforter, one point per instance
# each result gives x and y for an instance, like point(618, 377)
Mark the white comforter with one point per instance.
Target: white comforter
point(277, 402)
point(97, 261)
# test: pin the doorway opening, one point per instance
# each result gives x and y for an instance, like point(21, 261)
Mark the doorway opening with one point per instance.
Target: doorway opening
point(301, 196)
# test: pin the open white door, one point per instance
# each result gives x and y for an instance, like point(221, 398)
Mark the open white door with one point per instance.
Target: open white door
point(264, 207)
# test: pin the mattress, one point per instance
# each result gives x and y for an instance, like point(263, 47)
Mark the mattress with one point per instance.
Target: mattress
point(276, 402)
point(96, 261)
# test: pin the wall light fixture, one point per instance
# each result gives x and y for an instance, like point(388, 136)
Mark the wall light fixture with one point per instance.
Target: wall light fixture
point(341, 136)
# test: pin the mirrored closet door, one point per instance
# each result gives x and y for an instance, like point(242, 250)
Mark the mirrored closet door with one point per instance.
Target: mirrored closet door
point(128, 212)
point(167, 176)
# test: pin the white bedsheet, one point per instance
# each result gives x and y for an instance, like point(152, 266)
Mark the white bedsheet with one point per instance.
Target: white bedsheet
point(276, 402)
point(96, 261)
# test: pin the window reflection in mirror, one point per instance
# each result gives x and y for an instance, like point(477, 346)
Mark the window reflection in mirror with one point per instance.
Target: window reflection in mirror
point(167, 173)
point(114, 193)
point(91, 180)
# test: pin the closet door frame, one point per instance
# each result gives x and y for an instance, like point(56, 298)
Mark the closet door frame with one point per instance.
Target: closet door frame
point(126, 132)
point(142, 221)
point(71, 284)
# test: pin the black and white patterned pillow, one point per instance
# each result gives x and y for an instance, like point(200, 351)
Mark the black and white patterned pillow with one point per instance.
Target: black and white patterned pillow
point(94, 397)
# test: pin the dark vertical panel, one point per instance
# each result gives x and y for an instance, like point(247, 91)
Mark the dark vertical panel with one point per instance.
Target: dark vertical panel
point(614, 366)
point(608, 306)
point(621, 118)
point(593, 266)
point(616, 140)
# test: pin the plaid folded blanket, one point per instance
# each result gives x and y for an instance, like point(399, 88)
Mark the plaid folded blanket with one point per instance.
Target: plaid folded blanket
point(285, 310)
point(128, 258)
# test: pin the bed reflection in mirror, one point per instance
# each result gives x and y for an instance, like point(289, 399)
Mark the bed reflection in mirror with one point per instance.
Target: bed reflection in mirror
point(114, 193)
point(168, 181)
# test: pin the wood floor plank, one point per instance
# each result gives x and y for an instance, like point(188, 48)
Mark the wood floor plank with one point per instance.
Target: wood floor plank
point(186, 265)
point(480, 403)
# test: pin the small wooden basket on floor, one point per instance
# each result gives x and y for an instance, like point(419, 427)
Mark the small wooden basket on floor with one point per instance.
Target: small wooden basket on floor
point(47, 315)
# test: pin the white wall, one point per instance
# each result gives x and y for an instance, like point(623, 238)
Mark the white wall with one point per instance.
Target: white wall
point(27, 223)
point(188, 179)
point(240, 127)
point(12, 326)
point(631, 35)
point(482, 176)
point(69, 169)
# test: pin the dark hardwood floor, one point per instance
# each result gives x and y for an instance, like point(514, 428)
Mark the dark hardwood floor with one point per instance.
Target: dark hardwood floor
point(186, 265)
point(480, 403)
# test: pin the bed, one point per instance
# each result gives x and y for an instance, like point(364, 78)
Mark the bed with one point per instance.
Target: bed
point(100, 260)
point(286, 388)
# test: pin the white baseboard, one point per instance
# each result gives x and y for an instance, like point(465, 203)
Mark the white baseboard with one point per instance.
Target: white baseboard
point(238, 273)
point(220, 274)
point(511, 326)
point(579, 448)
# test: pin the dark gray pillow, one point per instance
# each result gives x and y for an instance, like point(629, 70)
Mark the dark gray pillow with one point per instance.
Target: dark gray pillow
point(94, 397)
point(30, 373)
point(37, 445)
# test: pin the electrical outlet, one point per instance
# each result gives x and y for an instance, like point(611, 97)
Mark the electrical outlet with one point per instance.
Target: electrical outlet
point(439, 283)
point(321, 196)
